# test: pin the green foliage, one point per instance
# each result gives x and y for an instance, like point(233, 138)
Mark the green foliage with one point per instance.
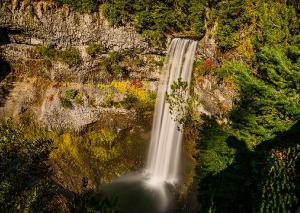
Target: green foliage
point(139, 62)
point(266, 175)
point(269, 101)
point(65, 103)
point(256, 153)
point(232, 15)
point(80, 5)
point(98, 204)
point(154, 19)
point(278, 20)
point(177, 99)
point(47, 52)
point(103, 145)
point(112, 63)
point(280, 180)
point(130, 101)
point(70, 56)
point(133, 100)
point(117, 12)
point(94, 49)
point(215, 154)
point(71, 93)
point(79, 98)
point(24, 184)
point(71, 96)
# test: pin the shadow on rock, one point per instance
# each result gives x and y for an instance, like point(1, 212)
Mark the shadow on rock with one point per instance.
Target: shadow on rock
point(6, 81)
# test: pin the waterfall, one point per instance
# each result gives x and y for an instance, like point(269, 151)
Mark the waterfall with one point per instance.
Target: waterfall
point(146, 191)
point(166, 138)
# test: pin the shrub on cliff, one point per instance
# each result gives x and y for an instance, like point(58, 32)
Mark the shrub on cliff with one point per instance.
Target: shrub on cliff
point(232, 16)
point(113, 62)
point(80, 5)
point(71, 56)
point(94, 49)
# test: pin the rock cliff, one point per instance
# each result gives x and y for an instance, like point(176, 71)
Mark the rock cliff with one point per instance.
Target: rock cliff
point(49, 76)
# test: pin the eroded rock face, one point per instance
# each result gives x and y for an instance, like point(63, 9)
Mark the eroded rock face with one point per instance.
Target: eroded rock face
point(213, 98)
point(43, 23)
point(24, 25)
point(90, 108)
point(25, 60)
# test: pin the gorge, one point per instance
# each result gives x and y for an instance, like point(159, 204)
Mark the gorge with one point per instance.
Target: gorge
point(130, 106)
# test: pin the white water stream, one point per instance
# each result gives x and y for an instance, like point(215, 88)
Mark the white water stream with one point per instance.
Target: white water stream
point(166, 139)
point(147, 191)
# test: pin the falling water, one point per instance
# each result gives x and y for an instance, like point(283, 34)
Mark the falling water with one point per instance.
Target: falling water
point(147, 192)
point(165, 145)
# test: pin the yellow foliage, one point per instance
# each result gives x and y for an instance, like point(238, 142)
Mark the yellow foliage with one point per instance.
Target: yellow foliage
point(121, 86)
point(102, 144)
point(126, 87)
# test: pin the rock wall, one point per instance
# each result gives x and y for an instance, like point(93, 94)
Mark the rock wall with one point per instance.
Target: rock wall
point(24, 25)
point(35, 88)
point(43, 23)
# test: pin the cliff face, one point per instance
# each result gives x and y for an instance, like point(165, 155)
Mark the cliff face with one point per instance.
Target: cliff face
point(24, 26)
point(43, 23)
point(49, 76)
point(71, 90)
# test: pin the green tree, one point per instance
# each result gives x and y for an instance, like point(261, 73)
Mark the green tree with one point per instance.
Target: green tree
point(24, 171)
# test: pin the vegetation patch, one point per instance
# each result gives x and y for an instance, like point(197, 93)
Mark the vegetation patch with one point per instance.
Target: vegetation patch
point(66, 103)
point(154, 19)
point(114, 62)
point(69, 56)
point(135, 96)
point(25, 182)
point(252, 154)
point(80, 5)
point(71, 93)
point(95, 49)
point(232, 17)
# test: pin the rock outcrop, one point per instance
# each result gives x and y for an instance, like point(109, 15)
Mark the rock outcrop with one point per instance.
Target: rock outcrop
point(42, 23)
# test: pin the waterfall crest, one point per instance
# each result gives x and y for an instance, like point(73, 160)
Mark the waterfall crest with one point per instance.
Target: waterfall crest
point(165, 145)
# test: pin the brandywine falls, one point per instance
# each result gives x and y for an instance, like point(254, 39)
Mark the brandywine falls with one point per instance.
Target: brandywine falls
point(149, 106)
point(165, 151)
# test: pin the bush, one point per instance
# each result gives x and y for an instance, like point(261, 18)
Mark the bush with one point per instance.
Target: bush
point(80, 5)
point(111, 63)
point(79, 98)
point(118, 12)
point(24, 172)
point(71, 93)
point(139, 62)
point(94, 49)
point(70, 56)
point(130, 101)
point(232, 16)
point(66, 103)
point(117, 69)
point(47, 52)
